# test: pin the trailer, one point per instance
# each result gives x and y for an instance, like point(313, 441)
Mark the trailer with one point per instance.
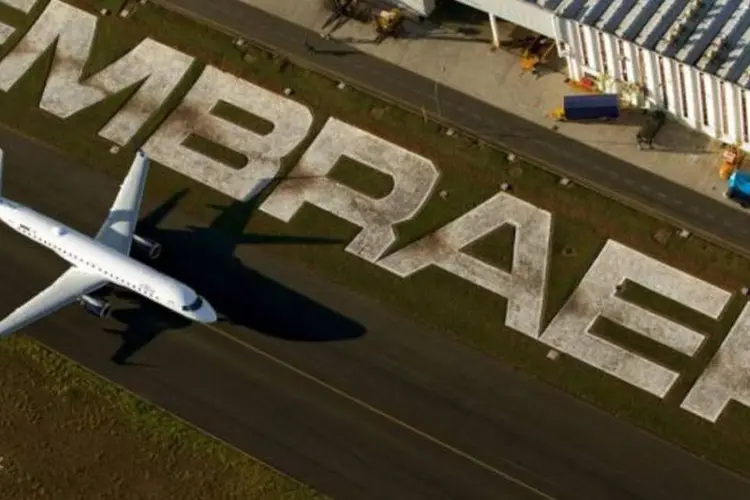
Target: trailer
point(589, 107)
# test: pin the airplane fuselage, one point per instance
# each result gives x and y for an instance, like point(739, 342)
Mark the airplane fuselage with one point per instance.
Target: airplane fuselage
point(92, 256)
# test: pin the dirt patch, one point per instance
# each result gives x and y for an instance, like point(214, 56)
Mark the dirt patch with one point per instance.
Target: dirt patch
point(515, 171)
point(377, 113)
point(662, 236)
point(187, 116)
point(569, 252)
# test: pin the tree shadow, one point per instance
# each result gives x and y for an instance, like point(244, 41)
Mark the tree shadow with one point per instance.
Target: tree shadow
point(203, 258)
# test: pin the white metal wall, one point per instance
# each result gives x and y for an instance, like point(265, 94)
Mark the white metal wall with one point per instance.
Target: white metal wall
point(700, 100)
point(521, 13)
point(420, 7)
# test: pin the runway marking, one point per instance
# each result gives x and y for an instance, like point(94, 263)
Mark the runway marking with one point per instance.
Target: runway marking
point(387, 416)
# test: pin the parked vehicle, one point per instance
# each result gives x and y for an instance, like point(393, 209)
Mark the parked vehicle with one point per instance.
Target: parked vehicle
point(589, 107)
point(647, 133)
point(738, 188)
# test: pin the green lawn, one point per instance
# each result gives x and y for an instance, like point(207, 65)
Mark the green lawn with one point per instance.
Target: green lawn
point(67, 433)
point(471, 173)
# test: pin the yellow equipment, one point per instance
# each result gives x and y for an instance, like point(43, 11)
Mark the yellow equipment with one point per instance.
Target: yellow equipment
point(533, 55)
point(557, 114)
point(387, 20)
point(731, 159)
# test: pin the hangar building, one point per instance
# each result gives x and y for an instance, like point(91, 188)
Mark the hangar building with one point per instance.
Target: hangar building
point(689, 57)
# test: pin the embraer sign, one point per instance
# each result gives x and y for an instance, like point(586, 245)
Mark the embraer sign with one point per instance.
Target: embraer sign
point(152, 71)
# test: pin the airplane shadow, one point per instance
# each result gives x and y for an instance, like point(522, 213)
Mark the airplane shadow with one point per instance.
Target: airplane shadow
point(142, 323)
point(203, 258)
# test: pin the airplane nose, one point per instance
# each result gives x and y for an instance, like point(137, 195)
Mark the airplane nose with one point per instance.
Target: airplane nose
point(208, 315)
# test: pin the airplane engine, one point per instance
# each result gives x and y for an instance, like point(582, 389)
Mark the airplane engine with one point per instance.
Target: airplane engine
point(151, 247)
point(95, 307)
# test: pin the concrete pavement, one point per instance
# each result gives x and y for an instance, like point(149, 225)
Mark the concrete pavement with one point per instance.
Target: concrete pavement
point(452, 47)
point(635, 186)
point(325, 384)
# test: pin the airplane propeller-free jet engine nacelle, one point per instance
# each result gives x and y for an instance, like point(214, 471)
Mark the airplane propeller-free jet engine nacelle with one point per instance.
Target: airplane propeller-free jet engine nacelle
point(101, 262)
point(95, 307)
point(151, 247)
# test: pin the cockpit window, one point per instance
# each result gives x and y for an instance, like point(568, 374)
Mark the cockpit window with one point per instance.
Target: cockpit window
point(195, 305)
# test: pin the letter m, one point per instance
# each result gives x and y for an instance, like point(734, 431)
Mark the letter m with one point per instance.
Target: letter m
point(154, 68)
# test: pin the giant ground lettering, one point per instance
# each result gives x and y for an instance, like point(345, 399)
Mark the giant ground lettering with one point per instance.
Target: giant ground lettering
point(727, 377)
point(152, 71)
point(414, 178)
point(597, 296)
point(291, 123)
point(156, 68)
point(524, 286)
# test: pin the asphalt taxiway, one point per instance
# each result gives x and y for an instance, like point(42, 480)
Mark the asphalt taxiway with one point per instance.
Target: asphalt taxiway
point(324, 384)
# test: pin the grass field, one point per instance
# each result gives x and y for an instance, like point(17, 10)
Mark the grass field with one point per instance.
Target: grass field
point(471, 173)
point(68, 434)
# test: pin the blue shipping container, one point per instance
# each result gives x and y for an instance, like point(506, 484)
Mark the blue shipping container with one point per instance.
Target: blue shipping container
point(591, 106)
point(738, 186)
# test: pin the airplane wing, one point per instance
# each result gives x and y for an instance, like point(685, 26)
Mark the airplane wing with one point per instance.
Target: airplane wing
point(117, 231)
point(65, 290)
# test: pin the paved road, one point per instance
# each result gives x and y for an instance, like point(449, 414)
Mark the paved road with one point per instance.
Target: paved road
point(324, 384)
point(608, 174)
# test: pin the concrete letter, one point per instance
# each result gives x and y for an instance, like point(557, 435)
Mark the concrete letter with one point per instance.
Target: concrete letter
point(5, 32)
point(71, 27)
point(291, 122)
point(22, 5)
point(596, 296)
point(414, 177)
point(727, 377)
point(156, 67)
point(524, 286)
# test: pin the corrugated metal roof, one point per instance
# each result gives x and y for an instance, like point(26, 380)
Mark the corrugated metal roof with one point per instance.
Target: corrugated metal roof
point(712, 35)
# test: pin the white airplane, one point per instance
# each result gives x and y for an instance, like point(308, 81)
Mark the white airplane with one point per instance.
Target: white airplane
point(100, 261)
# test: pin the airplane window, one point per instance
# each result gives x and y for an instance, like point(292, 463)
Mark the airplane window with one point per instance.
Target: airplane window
point(197, 303)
